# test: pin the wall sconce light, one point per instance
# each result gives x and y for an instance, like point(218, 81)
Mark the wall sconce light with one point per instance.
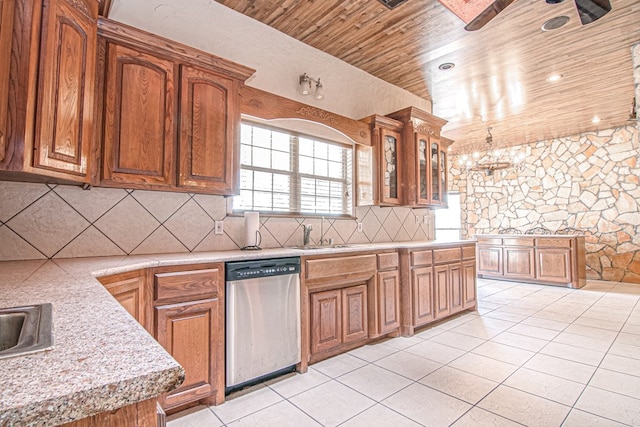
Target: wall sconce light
point(307, 89)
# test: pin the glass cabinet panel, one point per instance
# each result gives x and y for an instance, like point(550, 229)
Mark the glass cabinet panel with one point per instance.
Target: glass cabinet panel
point(443, 176)
point(422, 168)
point(435, 173)
point(390, 147)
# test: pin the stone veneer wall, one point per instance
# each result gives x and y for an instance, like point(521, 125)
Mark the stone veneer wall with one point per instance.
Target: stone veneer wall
point(39, 221)
point(588, 181)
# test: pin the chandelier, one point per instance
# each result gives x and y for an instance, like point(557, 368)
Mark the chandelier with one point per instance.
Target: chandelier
point(493, 159)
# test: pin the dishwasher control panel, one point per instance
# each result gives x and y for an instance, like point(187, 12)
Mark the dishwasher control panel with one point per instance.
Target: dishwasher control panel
point(262, 268)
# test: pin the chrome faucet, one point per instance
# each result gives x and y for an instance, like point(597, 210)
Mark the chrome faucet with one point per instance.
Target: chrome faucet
point(306, 233)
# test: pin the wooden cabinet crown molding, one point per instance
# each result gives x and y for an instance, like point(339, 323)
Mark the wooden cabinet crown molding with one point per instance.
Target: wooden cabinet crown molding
point(178, 52)
point(268, 106)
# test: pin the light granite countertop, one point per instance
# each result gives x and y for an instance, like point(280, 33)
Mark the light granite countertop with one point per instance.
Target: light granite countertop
point(102, 358)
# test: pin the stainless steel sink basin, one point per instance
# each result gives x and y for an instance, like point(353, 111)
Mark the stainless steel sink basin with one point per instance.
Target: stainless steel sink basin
point(25, 330)
point(312, 247)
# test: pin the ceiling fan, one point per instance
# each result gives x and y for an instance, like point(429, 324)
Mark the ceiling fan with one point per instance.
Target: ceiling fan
point(477, 13)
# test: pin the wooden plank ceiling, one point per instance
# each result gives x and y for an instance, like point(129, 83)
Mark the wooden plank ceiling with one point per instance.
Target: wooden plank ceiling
point(500, 72)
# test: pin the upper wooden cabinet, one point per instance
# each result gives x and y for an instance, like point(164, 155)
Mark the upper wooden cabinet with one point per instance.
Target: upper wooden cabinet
point(407, 162)
point(384, 159)
point(50, 94)
point(424, 158)
point(170, 114)
point(6, 29)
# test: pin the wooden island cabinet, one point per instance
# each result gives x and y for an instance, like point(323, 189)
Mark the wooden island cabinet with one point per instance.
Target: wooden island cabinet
point(552, 260)
point(436, 283)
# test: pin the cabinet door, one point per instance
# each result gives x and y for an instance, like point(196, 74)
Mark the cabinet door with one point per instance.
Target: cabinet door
point(139, 122)
point(388, 301)
point(554, 265)
point(130, 290)
point(6, 29)
point(441, 291)
point(422, 289)
point(65, 114)
point(423, 168)
point(390, 167)
point(354, 313)
point(443, 170)
point(468, 284)
point(456, 291)
point(326, 320)
point(209, 117)
point(436, 190)
point(490, 260)
point(519, 262)
point(191, 334)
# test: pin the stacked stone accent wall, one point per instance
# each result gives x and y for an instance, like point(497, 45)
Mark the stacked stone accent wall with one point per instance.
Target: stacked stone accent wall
point(588, 181)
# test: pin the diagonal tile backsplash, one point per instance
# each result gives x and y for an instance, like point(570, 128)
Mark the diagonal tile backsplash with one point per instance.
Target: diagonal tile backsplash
point(39, 221)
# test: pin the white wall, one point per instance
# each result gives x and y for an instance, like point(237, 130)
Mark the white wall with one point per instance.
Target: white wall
point(278, 59)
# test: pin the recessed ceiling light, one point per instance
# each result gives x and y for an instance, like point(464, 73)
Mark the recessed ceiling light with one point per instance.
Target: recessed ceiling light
point(446, 66)
point(595, 119)
point(554, 77)
point(555, 23)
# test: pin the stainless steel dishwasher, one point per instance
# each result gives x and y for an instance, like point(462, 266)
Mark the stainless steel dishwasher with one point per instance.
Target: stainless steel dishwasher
point(263, 319)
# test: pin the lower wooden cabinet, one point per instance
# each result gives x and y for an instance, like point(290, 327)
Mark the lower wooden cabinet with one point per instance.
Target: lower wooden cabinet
point(141, 414)
point(338, 317)
point(354, 314)
point(553, 260)
point(388, 301)
point(422, 295)
point(130, 290)
point(469, 293)
point(554, 264)
point(189, 319)
point(190, 333)
point(436, 283)
point(326, 320)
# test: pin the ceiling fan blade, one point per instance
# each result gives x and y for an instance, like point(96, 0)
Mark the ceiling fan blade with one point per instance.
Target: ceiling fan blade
point(477, 13)
point(487, 15)
point(592, 10)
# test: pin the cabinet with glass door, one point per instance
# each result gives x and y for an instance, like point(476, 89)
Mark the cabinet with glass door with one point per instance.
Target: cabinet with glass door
point(387, 164)
point(425, 158)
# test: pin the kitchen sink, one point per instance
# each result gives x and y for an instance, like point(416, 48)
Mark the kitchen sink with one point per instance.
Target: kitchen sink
point(312, 247)
point(25, 330)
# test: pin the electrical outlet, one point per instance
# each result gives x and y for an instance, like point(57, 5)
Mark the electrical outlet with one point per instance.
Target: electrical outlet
point(218, 227)
point(418, 221)
point(360, 227)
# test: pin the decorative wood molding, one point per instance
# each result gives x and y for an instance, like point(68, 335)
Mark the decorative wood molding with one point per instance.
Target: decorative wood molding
point(104, 6)
point(425, 129)
point(268, 106)
point(141, 40)
point(82, 8)
point(316, 113)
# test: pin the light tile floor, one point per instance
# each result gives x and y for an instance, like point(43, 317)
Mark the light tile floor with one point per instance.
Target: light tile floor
point(531, 355)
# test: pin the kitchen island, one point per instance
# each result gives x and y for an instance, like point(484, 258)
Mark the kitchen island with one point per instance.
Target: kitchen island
point(545, 259)
point(102, 358)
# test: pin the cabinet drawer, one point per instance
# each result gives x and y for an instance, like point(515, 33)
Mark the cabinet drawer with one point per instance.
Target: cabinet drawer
point(519, 241)
point(468, 252)
point(494, 241)
point(446, 255)
point(553, 243)
point(187, 285)
point(332, 267)
point(388, 261)
point(420, 258)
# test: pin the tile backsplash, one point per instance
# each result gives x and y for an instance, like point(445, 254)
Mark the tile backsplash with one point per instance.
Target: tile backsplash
point(39, 221)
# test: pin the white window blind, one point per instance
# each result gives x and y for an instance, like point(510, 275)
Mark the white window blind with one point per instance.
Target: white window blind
point(284, 172)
